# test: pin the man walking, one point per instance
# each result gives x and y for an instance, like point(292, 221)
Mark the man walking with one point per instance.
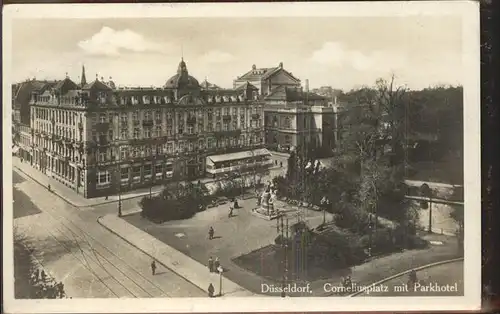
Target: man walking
point(211, 290)
point(211, 233)
point(211, 264)
point(153, 267)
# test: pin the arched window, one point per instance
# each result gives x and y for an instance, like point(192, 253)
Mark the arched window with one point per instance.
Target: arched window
point(288, 123)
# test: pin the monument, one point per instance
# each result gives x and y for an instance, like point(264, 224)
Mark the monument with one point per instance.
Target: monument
point(266, 204)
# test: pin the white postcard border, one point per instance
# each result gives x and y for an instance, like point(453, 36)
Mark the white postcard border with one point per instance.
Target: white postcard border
point(468, 10)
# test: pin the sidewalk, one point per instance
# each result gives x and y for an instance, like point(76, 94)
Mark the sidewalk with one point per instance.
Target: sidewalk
point(174, 260)
point(77, 200)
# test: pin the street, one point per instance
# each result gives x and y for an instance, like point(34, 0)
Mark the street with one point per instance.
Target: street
point(90, 261)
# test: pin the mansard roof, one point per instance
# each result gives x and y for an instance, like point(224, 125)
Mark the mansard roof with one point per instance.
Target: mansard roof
point(292, 94)
point(259, 74)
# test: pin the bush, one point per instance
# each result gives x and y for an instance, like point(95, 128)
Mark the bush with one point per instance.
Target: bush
point(381, 242)
point(183, 202)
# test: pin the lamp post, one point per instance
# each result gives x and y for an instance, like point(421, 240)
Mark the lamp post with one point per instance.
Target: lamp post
point(325, 202)
point(220, 270)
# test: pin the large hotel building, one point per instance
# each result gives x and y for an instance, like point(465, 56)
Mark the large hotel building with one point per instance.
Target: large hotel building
point(98, 139)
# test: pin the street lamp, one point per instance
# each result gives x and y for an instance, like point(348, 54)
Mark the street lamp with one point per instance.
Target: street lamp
point(325, 202)
point(220, 270)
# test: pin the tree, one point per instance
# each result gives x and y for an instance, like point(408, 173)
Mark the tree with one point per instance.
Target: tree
point(392, 104)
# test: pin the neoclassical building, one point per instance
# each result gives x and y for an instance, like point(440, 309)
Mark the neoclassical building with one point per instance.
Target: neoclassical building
point(99, 140)
point(294, 116)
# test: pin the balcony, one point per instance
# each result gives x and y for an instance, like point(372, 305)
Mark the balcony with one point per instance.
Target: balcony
point(190, 135)
point(255, 116)
point(226, 117)
point(147, 123)
point(228, 133)
point(191, 120)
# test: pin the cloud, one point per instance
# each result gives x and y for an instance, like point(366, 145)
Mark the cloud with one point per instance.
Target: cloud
point(110, 42)
point(336, 54)
point(217, 56)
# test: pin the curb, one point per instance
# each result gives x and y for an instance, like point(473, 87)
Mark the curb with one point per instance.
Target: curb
point(406, 272)
point(167, 267)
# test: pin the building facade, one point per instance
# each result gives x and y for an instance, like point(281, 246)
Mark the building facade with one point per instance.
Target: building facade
point(294, 116)
point(100, 140)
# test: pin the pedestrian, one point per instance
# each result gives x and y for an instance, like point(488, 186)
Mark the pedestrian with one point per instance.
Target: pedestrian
point(210, 264)
point(153, 267)
point(211, 290)
point(44, 276)
point(413, 276)
point(275, 162)
point(106, 198)
point(216, 264)
point(281, 164)
point(49, 187)
point(230, 211)
point(211, 233)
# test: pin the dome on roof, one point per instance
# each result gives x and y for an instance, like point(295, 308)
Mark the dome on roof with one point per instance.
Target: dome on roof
point(182, 78)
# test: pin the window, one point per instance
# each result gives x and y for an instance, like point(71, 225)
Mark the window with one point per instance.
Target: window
point(147, 170)
point(158, 150)
point(123, 118)
point(136, 133)
point(226, 111)
point(135, 116)
point(136, 172)
point(158, 170)
point(218, 127)
point(190, 146)
point(288, 139)
point(226, 126)
point(287, 123)
point(103, 177)
point(169, 130)
point(235, 111)
point(235, 125)
point(210, 127)
point(190, 129)
point(147, 115)
point(123, 153)
point(218, 113)
point(158, 131)
point(147, 132)
point(201, 144)
point(149, 151)
point(135, 152)
point(169, 170)
point(124, 134)
point(124, 174)
point(158, 116)
point(170, 148)
point(200, 127)
point(110, 135)
point(102, 156)
point(102, 118)
point(180, 130)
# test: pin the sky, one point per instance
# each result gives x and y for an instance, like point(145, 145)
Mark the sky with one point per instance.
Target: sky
point(342, 52)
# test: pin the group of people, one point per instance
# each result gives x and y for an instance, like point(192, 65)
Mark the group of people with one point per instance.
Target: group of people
point(45, 287)
point(213, 265)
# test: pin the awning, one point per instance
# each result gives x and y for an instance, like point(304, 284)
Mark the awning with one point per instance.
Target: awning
point(240, 155)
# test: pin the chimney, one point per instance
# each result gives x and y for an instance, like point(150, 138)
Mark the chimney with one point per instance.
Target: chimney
point(307, 85)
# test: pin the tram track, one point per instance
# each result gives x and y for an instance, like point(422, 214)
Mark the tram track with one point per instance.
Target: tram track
point(104, 260)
